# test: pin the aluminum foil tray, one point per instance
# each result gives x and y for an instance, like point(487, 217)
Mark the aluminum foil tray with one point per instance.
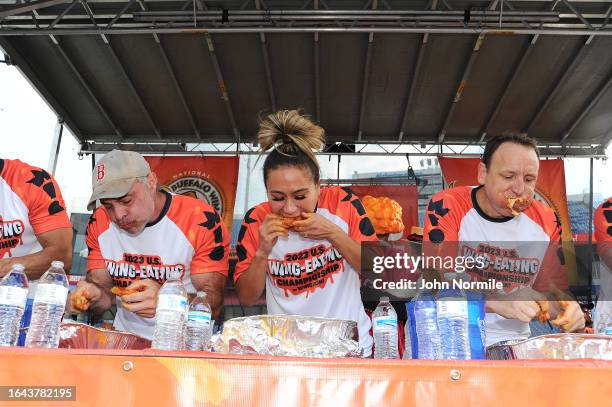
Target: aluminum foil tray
point(81, 336)
point(554, 346)
point(289, 335)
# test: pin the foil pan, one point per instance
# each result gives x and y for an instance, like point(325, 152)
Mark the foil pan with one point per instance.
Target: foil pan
point(555, 346)
point(81, 336)
point(289, 335)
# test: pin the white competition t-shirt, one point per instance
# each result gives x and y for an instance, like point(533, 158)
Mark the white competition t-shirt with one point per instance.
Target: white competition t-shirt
point(188, 237)
point(518, 249)
point(307, 276)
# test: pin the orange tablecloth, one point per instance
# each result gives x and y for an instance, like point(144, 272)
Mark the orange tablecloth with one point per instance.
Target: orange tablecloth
point(104, 378)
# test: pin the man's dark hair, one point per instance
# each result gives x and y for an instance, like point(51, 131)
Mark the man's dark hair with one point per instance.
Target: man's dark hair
point(516, 138)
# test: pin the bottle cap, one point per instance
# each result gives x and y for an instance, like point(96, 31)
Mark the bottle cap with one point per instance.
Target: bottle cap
point(174, 275)
point(57, 264)
point(18, 267)
point(384, 299)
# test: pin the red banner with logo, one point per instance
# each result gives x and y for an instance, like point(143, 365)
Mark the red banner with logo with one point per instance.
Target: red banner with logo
point(550, 189)
point(211, 179)
point(405, 195)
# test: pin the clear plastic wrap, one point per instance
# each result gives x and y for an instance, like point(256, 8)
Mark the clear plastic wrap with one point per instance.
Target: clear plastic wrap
point(289, 335)
point(555, 346)
point(81, 336)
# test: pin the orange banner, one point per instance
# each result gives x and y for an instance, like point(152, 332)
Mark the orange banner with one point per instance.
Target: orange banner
point(405, 195)
point(155, 378)
point(550, 189)
point(211, 179)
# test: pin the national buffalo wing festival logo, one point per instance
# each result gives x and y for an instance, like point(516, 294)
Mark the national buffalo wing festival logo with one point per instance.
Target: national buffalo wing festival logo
point(135, 267)
point(198, 185)
point(306, 270)
point(10, 235)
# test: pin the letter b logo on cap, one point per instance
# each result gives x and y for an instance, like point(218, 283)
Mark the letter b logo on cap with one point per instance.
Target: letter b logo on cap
point(100, 172)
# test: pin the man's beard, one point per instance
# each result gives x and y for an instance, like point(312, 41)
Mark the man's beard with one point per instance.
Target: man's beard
point(135, 228)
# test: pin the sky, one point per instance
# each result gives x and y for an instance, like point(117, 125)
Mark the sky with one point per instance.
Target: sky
point(28, 126)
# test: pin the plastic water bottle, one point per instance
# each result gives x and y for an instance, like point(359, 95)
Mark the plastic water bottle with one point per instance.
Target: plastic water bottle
point(170, 315)
point(426, 323)
point(13, 297)
point(384, 321)
point(452, 309)
point(410, 339)
point(477, 325)
point(407, 338)
point(48, 308)
point(199, 329)
point(603, 323)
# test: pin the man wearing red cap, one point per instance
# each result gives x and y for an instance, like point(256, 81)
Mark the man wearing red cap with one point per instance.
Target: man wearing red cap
point(139, 237)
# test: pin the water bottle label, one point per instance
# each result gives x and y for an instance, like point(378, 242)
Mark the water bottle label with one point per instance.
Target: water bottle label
point(608, 331)
point(385, 323)
point(51, 294)
point(200, 318)
point(452, 308)
point(172, 302)
point(14, 296)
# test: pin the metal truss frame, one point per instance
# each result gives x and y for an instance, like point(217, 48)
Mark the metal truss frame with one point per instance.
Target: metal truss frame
point(255, 17)
point(54, 18)
point(378, 149)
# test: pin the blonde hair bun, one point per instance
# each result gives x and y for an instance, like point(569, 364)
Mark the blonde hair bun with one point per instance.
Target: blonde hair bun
point(287, 130)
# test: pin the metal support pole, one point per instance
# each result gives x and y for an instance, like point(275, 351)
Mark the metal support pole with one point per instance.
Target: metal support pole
point(248, 183)
point(181, 29)
point(590, 230)
point(56, 144)
point(175, 147)
point(317, 82)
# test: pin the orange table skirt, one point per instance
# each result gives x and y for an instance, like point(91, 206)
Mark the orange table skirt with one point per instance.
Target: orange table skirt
point(155, 378)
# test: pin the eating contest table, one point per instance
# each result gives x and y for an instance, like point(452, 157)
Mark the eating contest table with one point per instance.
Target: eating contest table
point(157, 378)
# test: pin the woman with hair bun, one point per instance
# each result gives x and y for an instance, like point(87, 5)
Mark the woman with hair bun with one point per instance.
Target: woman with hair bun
point(303, 245)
